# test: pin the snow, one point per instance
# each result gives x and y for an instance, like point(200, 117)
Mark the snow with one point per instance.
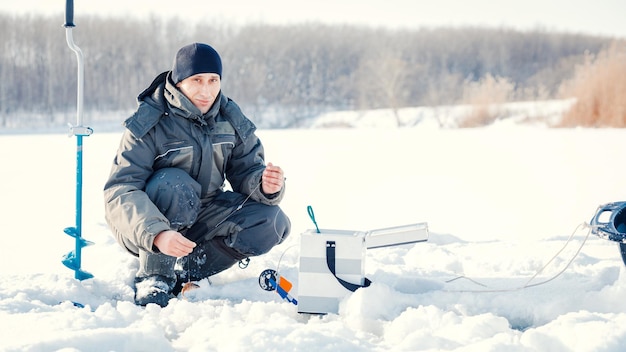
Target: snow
point(501, 203)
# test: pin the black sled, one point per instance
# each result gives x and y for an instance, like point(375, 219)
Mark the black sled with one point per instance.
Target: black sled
point(609, 223)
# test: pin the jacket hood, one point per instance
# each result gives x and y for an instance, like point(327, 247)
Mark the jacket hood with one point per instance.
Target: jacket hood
point(148, 95)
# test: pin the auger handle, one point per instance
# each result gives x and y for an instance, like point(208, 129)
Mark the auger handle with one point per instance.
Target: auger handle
point(69, 14)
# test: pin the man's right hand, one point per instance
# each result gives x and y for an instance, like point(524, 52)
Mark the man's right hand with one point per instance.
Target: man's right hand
point(173, 243)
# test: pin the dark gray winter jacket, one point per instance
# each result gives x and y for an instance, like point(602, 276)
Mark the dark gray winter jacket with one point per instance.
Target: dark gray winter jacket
point(167, 130)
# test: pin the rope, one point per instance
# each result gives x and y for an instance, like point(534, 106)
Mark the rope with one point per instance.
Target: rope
point(528, 283)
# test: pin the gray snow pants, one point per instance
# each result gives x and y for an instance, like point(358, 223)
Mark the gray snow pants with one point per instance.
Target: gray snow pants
point(224, 234)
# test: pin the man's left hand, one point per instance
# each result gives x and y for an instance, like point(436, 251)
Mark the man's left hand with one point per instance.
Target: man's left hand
point(273, 179)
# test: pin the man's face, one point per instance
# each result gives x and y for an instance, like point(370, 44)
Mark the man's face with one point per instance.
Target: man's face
point(201, 89)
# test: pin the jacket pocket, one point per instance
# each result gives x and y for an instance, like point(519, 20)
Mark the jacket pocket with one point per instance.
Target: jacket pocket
point(223, 145)
point(175, 154)
point(223, 139)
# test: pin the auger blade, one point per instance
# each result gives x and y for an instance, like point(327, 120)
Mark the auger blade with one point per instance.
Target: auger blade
point(70, 261)
point(71, 231)
point(82, 275)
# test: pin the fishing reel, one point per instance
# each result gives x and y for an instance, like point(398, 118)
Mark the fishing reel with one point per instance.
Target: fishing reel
point(267, 279)
point(270, 280)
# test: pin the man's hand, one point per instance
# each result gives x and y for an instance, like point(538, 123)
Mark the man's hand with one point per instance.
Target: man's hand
point(173, 243)
point(273, 179)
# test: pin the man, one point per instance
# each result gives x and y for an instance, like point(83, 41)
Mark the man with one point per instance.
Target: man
point(166, 196)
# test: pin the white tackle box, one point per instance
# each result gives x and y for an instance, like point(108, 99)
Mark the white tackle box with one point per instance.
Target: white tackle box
point(319, 288)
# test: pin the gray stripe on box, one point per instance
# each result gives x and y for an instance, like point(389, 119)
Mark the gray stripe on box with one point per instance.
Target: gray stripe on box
point(310, 304)
point(342, 266)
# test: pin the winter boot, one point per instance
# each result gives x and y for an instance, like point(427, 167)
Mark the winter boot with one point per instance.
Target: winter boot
point(155, 279)
point(208, 258)
point(153, 289)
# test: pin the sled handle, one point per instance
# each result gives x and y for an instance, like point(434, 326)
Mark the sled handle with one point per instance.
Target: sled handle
point(610, 207)
point(69, 14)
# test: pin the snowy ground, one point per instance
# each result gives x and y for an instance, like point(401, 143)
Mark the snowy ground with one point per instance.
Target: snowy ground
point(500, 202)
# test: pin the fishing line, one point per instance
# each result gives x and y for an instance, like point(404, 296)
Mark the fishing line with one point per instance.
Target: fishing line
point(238, 207)
point(528, 283)
point(282, 255)
point(278, 235)
point(243, 203)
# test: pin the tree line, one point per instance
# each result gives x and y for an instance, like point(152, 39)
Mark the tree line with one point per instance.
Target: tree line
point(280, 75)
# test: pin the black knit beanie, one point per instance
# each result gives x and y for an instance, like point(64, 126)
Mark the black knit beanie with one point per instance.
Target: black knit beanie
point(196, 58)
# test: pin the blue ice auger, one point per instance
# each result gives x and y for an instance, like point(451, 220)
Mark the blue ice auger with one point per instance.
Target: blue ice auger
point(73, 259)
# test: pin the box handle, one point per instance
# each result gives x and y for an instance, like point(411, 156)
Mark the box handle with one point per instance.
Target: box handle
point(330, 261)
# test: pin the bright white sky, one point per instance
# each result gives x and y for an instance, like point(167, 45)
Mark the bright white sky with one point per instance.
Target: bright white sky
point(605, 17)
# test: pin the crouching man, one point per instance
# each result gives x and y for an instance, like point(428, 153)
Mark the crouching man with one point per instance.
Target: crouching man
point(165, 199)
